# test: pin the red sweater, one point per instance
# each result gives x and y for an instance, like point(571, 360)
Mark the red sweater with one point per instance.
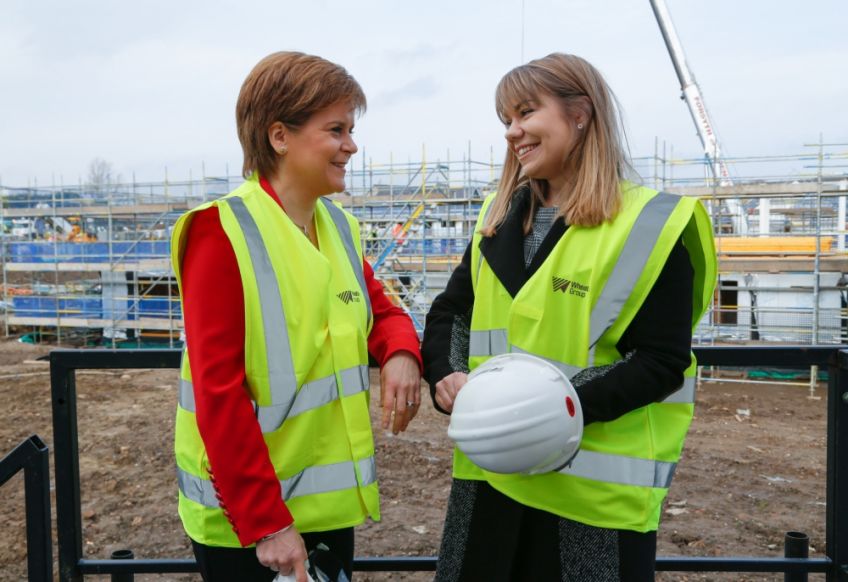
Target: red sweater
point(213, 303)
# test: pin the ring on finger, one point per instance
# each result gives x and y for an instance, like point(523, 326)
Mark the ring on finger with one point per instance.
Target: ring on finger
point(411, 403)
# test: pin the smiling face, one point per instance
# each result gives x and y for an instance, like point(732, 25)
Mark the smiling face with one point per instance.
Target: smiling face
point(542, 135)
point(318, 151)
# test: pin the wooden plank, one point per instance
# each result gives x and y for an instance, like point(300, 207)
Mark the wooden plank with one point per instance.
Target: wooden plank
point(162, 264)
point(143, 323)
point(757, 190)
point(831, 264)
point(114, 210)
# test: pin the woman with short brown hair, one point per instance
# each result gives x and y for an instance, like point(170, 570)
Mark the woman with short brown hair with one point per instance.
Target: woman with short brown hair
point(273, 438)
point(288, 88)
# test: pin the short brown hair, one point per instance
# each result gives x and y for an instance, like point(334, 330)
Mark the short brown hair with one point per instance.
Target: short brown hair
point(288, 87)
point(599, 161)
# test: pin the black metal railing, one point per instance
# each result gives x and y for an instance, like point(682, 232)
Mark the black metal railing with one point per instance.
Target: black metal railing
point(73, 565)
point(33, 457)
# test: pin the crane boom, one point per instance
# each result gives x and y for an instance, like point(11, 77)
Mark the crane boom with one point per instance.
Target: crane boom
point(698, 109)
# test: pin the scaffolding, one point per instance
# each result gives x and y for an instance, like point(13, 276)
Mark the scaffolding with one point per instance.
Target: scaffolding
point(79, 261)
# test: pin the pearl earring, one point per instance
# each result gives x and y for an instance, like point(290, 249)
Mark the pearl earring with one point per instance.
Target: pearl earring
point(579, 126)
point(283, 150)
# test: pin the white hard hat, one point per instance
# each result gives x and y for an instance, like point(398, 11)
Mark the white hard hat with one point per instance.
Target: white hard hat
point(517, 414)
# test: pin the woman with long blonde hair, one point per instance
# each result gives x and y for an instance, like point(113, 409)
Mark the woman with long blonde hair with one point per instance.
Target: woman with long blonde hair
point(605, 279)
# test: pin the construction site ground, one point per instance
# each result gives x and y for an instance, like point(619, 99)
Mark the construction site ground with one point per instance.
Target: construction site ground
point(753, 469)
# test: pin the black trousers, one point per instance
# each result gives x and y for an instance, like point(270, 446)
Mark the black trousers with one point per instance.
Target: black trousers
point(219, 564)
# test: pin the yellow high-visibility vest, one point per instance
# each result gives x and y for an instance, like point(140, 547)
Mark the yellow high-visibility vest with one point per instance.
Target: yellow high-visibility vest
point(307, 319)
point(572, 312)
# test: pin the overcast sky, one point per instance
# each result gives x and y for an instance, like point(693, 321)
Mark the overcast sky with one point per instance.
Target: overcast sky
point(150, 84)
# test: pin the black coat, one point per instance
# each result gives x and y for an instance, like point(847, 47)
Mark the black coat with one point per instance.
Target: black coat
point(655, 346)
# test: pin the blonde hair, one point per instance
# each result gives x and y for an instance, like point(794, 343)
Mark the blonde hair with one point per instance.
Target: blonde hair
point(288, 87)
point(598, 161)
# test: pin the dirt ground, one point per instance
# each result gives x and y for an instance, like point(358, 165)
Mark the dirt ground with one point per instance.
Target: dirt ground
point(753, 468)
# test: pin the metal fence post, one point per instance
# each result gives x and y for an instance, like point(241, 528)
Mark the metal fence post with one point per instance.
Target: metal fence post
point(32, 456)
point(796, 545)
point(837, 468)
point(66, 461)
point(124, 576)
point(37, 494)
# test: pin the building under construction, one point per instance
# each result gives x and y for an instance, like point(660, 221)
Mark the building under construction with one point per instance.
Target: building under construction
point(92, 264)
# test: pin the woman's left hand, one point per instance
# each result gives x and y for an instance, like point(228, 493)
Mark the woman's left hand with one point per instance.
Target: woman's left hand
point(400, 390)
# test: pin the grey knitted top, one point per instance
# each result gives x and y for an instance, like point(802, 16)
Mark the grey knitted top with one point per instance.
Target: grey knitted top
point(542, 222)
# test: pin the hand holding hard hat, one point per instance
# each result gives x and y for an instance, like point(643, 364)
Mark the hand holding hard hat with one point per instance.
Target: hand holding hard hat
point(517, 414)
point(447, 388)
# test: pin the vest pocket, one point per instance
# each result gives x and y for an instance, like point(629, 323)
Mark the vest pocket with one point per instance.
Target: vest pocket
point(525, 320)
point(526, 311)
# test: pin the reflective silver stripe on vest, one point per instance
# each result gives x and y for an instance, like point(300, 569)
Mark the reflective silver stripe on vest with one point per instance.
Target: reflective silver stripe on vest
point(310, 481)
point(354, 380)
point(310, 396)
point(641, 241)
point(482, 342)
point(480, 254)
point(315, 394)
point(493, 342)
point(487, 342)
point(343, 226)
point(197, 489)
point(186, 395)
point(620, 469)
point(278, 355)
point(186, 390)
point(567, 369)
point(367, 471)
point(326, 478)
point(683, 395)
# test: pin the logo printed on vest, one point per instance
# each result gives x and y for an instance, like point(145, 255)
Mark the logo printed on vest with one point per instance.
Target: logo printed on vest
point(349, 296)
point(569, 287)
point(561, 284)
